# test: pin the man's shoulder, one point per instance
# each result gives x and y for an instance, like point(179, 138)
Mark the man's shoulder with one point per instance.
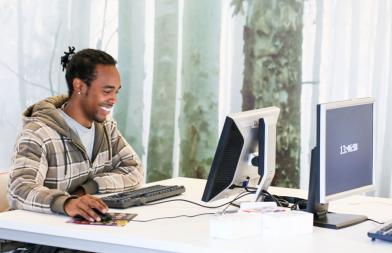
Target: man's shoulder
point(35, 124)
point(39, 128)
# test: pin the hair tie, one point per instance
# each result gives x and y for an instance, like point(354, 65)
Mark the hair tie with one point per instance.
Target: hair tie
point(67, 57)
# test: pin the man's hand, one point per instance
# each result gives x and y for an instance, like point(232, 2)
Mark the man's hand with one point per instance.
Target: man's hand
point(79, 192)
point(84, 205)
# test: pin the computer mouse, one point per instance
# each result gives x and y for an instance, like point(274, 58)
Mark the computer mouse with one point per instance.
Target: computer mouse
point(105, 217)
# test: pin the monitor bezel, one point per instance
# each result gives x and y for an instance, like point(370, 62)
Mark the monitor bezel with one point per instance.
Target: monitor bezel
point(324, 107)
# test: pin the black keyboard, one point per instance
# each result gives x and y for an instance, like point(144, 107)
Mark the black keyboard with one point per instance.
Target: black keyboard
point(383, 233)
point(142, 196)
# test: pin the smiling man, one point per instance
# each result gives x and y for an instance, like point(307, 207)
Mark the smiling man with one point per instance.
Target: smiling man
point(69, 149)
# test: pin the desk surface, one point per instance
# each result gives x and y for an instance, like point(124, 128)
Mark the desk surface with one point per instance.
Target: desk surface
point(192, 234)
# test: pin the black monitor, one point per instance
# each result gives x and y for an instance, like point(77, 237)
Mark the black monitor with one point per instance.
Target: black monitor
point(245, 156)
point(342, 163)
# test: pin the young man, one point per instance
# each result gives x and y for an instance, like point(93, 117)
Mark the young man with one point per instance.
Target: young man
point(68, 149)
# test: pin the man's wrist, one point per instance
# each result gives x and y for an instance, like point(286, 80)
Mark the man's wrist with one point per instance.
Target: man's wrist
point(58, 204)
point(80, 191)
point(90, 187)
point(66, 202)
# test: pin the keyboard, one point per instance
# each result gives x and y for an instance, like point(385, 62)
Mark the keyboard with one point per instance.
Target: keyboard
point(142, 196)
point(382, 233)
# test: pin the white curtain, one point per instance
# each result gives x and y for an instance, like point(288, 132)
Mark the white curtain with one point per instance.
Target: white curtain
point(347, 54)
point(33, 39)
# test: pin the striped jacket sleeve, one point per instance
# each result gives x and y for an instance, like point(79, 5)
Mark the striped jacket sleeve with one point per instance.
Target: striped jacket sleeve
point(126, 171)
point(26, 188)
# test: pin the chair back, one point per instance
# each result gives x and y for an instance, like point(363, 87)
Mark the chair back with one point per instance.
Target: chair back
point(3, 191)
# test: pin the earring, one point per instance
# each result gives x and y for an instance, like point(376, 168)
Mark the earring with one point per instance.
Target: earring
point(78, 92)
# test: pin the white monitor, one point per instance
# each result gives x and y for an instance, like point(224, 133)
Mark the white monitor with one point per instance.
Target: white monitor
point(246, 137)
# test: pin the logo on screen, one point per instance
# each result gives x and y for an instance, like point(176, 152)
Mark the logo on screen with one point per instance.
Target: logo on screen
point(345, 149)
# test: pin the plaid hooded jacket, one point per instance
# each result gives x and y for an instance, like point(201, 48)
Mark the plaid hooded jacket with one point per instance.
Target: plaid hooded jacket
point(50, 161)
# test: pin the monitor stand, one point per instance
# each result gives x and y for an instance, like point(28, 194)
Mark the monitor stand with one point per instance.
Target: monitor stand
point(338, 220)
point(321, 216)
point(266, 157)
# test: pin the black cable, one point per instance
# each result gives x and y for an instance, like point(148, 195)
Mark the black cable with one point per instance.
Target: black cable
point(247, 188)
point(250, 189)
point(173, 217)
point(235, 205)
point(273, 198)
point(283, 202)
point(378, 222)
point(241, 195)
point(297, 205)
point(184, 200)
point(293, 203)
point(188, 201)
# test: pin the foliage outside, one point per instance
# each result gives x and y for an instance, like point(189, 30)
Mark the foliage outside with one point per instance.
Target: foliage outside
point(272, 75)
point(163, 104)
point(200, 82)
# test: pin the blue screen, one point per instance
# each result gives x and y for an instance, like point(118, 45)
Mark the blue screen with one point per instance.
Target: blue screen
point(349, 148)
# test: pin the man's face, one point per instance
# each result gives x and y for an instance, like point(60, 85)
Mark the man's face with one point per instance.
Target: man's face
point(97, 100)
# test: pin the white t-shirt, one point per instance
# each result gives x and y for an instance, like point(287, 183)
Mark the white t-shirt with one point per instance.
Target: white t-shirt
point(85, 134)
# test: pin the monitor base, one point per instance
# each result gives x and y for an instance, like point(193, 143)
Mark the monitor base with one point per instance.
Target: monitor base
point(338, 220)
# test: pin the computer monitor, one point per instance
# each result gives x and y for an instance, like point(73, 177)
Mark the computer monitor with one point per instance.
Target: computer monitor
point(342, 162)
point(245, 156)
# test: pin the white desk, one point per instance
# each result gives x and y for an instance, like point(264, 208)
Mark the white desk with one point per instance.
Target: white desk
point(191, 234)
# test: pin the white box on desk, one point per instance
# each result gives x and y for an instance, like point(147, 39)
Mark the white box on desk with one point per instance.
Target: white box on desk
point(287, 223)
point(242, 224)
point(235, 225)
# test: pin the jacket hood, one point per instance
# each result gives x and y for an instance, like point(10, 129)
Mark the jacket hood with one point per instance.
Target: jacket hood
point(46, 112)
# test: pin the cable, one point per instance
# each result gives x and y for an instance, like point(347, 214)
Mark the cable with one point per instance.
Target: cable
point(273, 198)
point(293, 203)
point(297, 205)
point(244, 186)
point(250, 189)
point(173, 217)
point(378, 222)
point(240, 195)
point(184, 200)
point(201, 205)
